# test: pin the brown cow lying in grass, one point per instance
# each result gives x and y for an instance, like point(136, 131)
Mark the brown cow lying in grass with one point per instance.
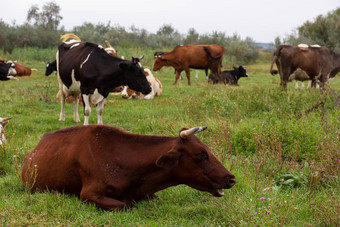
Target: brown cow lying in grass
point(114, 169)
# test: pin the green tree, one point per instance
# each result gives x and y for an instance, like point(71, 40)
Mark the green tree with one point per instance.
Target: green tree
point(48, 18)
point(324, 30)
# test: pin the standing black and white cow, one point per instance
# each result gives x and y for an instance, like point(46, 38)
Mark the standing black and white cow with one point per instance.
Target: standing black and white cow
point(7, 70)
point(86, 68)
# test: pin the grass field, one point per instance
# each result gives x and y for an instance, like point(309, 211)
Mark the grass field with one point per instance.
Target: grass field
point(261, 133)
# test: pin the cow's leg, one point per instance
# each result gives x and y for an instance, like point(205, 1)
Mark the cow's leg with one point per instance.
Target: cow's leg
point(12, 78)
point(309, 84)
point(302, 85)
point(87, 108)
point(197, 72)
point(75, 109)
point(62, 103)
point(187, 71)
point(100, 108)
point(206, 74)
point(101, 201)
point(177, 76)
point(296, 85)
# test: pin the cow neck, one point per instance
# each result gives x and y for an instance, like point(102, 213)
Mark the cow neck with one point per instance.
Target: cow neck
point(172, 61)
point(159, 178)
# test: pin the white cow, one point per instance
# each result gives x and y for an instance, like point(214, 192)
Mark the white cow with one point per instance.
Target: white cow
point(3, 123)
point(155, 85)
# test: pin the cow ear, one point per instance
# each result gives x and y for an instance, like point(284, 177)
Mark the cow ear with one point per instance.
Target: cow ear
point(168, 160)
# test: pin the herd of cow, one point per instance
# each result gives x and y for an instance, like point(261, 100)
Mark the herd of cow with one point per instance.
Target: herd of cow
point(114, 169)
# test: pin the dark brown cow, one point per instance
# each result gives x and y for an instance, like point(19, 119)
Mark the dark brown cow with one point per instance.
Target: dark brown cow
point(191, 56)
point(318, 62)
point(114, 169)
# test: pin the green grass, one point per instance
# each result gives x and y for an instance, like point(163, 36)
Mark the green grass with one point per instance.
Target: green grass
point(257, 130)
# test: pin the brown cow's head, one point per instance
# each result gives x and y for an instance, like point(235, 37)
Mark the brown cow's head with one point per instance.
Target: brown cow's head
point(159, 62)
point(191, 162)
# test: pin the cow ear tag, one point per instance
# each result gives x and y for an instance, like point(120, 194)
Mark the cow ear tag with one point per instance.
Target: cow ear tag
point(168, 160)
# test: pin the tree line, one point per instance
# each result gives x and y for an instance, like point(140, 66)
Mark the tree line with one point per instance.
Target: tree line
point(43, 29)
point(324, 30)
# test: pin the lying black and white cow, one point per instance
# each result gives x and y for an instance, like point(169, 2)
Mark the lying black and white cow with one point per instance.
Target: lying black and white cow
point(3, 123)
point(230, 77)
point(7, 70)
point(86, 68)
point(50, 68)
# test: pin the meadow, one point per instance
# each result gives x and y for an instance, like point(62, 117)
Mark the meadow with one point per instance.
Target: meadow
point(282, 146)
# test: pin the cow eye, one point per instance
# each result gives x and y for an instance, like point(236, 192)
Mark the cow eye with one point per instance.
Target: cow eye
point(202, 156)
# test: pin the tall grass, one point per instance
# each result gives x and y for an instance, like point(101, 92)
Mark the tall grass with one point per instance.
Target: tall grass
point(258, 131)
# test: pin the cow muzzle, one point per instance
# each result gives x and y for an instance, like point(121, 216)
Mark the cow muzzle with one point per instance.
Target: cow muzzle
point(230, 182)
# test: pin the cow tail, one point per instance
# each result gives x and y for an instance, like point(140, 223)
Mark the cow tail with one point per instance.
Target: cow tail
point(68, 36)
point(206, 49)
point(273, 72)
point(275, 56)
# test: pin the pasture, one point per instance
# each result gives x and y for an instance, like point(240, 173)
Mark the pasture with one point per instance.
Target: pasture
point(281, 145)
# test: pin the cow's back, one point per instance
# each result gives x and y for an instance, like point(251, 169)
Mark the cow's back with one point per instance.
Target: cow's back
point(195, 56)
point(65, 160)
point(55, 161)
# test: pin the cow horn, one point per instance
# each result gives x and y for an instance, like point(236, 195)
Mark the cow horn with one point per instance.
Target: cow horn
point(141, 57)
point(6, 118)
point(185, 133)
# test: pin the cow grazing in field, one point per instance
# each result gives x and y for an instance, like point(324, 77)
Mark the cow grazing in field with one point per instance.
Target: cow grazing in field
point(155, 84)
point(192, 56)
point(231, 77)
point(116, 169)
point(318, 62)
point(180, 75)
point(50, 68)
point(86, 68)
point(3, 122)
point(7, 70)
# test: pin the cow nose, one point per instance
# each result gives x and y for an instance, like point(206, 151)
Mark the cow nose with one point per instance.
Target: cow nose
point(232, 181)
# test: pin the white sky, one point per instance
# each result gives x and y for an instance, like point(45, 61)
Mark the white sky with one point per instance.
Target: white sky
point(262, 20)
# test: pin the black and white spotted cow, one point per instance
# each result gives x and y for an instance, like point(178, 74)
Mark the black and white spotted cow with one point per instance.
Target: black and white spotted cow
point(51, 67)
point(7, 70)
point(86, 68)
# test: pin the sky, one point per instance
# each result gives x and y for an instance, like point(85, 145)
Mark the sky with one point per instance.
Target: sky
point(261, 20)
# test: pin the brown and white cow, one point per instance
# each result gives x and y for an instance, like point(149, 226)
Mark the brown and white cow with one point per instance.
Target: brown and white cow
point(3, 123)
point(192, 56)
point(155, 84)
point(20, 69)
point(318, 62)
point(114, 169)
